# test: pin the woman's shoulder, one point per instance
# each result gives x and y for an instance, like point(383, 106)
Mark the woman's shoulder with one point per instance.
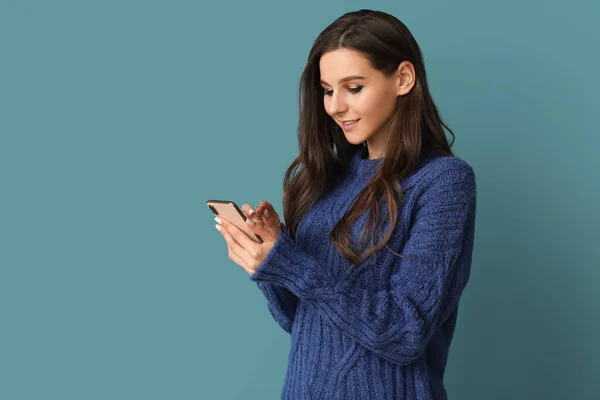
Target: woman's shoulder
point(442, 169)
point(445, 163)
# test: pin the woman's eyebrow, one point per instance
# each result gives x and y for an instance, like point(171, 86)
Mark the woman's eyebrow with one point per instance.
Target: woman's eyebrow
point(346, 79)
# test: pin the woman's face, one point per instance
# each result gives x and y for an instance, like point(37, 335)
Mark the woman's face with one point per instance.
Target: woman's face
point(368, 96)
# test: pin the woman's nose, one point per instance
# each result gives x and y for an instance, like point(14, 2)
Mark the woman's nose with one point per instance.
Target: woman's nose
point(337, 105)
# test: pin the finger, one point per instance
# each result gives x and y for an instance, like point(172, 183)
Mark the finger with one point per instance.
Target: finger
point(256, 213)
point(260, 211)
point(250, 214)
point(247, 210)
point(257, 224)
point(269, 214)
point(265, 204)
point(242, 240)
point(264, 208)
point(267, 208)
point(262, 230)
point(239, 261)
point(267, 220)
point(231, 242)
point(236, 251)
point(267, 233)
point(255, 221)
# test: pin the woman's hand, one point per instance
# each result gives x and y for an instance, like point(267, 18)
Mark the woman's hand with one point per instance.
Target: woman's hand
point(265, 222)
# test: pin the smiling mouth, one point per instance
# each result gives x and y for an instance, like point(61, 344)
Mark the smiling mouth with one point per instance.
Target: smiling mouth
point(349, 126)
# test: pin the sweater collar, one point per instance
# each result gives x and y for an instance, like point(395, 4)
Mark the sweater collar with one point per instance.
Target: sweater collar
point(366, 167)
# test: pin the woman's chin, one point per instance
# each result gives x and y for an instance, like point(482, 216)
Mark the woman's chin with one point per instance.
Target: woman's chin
point(354, 139)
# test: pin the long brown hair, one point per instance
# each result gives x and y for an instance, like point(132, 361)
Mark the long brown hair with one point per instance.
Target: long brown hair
point(324, 153)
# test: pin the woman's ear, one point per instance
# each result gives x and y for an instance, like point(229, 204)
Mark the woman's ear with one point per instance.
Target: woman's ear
point(405, 78)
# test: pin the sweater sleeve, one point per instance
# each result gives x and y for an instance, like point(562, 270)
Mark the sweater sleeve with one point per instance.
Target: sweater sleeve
point(397, 321)
point(280, 301)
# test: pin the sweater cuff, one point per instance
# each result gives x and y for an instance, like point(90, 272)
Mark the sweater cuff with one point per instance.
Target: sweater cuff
point(288, 265)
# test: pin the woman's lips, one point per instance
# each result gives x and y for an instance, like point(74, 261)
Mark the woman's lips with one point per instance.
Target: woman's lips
point(349, 127)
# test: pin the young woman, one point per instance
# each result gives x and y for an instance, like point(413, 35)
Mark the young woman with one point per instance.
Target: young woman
point(367, 273)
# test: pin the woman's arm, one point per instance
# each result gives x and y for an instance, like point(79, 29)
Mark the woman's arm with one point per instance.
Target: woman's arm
point(396, 323)
point(280, 301)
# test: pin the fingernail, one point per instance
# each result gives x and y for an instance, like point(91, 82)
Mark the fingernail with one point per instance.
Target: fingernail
point(250, 222)
point(266, 214)
point(250, 211)
point(218, 220)
point(218, 227)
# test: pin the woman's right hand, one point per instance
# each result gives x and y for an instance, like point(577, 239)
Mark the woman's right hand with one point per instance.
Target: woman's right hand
point(266, 220)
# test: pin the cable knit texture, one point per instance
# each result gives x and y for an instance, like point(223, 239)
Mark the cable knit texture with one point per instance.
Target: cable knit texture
point(382, 330)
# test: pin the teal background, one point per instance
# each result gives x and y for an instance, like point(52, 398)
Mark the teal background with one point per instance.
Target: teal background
point(119, 119)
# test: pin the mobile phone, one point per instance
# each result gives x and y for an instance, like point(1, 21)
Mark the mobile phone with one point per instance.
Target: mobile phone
point(232, 213)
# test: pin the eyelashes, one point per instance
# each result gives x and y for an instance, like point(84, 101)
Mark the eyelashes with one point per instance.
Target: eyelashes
point(351, 90)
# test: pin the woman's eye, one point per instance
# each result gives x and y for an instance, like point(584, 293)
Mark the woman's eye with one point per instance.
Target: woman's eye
point(351, 90)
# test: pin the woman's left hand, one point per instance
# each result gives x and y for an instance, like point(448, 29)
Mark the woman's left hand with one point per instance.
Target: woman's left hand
point(244, 251)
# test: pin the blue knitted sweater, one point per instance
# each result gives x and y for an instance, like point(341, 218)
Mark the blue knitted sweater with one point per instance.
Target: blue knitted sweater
point(382, 330)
